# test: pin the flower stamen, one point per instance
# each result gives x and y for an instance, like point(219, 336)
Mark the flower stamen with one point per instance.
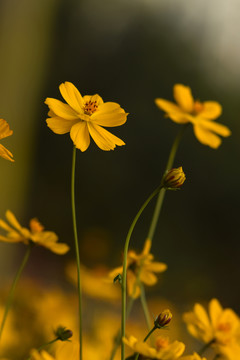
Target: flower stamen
point(90, 107)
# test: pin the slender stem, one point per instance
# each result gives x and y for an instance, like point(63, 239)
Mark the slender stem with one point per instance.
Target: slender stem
point(44, 345)
point(161, 195)
point(206, 346)
point(145, 339)
point(76, 249)
point(145, 307)
point(14, 284)
point(124, 274)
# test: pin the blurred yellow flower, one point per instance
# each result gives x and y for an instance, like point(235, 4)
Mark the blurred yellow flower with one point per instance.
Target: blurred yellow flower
point(164, 350)
point(188, 110)
point(67, 350)
point(140, 268)
point(93, 282)
point(16, 233)
point(5, 132)
point(84, 117)
point(221, 325)
point(195, 356)
point(229, 352)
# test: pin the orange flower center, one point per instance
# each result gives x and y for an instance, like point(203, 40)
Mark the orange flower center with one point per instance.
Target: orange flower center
point(197, 107)
point(90, 107)
point(162, 343)
point(35, 226)
point(225, 327)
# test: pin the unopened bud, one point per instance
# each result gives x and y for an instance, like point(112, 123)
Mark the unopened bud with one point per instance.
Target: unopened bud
point(163, 319)
point(63, 334)
point(174, 178)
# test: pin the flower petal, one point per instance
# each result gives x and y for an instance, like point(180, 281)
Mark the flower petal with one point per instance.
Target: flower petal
point(4, 129)
point(12, 220)
point(156, 266)
point(80, 135)
point(92, 98)
point(5, 153)
point(148, 277)
point(173, 111)
point(211, 110)
point(183, 96)
point(206, 137)
point(109, 114)
point(214, 127)
point(72, 96)
point(61, 109)
point(103, 138)
point(215, 311)
point(59, 125)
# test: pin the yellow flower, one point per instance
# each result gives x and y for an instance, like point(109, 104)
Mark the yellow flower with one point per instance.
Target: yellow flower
point(195, 356)
point(188, 110)
point(84, 117)
point(67, 350)
point(5, 132)
point(221, 325)
point(229, 352)
point(164, 350)
point(16, 233)
point(143, 263)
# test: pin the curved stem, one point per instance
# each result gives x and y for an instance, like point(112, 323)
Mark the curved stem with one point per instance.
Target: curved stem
point(145, 339)
point(14, 284)
point(76, 249)
point(44, 345)
point(161, 195)
point(124, 274)
point(206, 346)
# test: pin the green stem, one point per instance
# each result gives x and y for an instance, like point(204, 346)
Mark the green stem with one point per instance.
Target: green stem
point(206, 346)
point(161, 195)
point(145, 307)
point(14, 284)
point(124, 274)
point(145, 339)
point(76, 249)
point(44, 345)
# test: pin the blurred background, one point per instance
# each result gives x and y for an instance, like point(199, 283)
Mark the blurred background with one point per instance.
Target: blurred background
point(129, 53)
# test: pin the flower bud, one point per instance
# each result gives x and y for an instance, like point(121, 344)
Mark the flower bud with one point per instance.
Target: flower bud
point(63, 334)
point(174, 178)
point(163, 319)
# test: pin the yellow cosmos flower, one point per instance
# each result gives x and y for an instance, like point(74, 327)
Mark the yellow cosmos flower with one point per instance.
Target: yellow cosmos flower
point(5, 132)
point(221, 325)
point(84, 117)
point(65, 351)
point(142, 263)
point(36, 234)
point(200, 115)
point(195, 356)
point(164, 350)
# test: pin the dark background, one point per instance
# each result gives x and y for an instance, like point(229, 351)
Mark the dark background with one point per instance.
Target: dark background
point(130, 53)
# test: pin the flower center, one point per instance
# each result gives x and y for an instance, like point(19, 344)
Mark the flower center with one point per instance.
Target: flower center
point(162, 343)
point(197, 107)
point(225, 327)
point(90, 107)
point(35, 226)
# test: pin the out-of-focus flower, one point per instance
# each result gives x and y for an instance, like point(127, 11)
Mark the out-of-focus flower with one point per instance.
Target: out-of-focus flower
point(200, 115)
point(140, 268)
point(163, 318)
point(66, 350)
point(84, 117)
point(93, 282)
point(36, 234)
point(164, 350)
point(195, 356)
point(5, 132)
point(220, 328)
point(174, 178)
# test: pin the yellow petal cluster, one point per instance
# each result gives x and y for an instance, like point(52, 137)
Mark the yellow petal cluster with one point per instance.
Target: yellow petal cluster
point(164, 350)
point(35, 234)
point(221, 326)
point(5, 132)
point(84, 117)
point(65, 351)
point(195, 356)
point(140, 268)
point(199, 114)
